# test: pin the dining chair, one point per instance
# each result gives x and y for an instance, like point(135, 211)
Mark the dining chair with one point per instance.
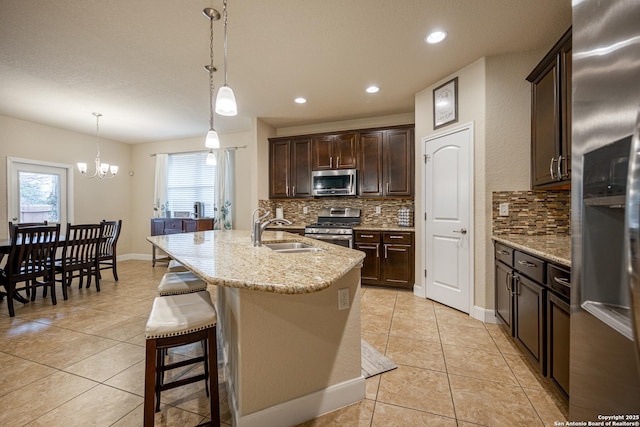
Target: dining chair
point(107, 248)
point(30, 260)
point(23, 224)
point(80, 255)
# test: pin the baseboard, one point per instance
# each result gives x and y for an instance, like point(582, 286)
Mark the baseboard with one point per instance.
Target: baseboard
point(304, 408)
point(483, 314)
point(128, 257)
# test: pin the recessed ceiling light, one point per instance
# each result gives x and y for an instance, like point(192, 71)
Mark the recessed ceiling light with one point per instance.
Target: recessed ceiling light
point(300, 100)
point(435, 37)
point(372, 89)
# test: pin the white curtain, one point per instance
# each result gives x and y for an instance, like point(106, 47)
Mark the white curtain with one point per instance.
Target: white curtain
point(160, 194)
point(224, 203)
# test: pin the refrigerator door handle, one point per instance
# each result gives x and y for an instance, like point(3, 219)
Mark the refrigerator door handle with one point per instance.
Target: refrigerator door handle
point(632, 230)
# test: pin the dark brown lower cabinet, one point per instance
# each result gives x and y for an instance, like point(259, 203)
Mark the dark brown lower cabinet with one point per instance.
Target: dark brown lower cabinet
point(558, 327)
point(504, 295)
point(530, 309)
point(389, 260)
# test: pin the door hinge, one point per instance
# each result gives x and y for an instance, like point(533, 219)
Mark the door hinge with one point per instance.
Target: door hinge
point(425, 216)
point(425, 272)
point(427, 158)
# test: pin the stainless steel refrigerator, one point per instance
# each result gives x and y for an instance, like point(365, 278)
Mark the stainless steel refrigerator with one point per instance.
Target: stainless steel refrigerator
point(605, 211)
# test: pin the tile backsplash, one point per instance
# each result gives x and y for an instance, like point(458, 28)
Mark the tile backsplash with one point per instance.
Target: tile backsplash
point(532, 213)
point(293, 209)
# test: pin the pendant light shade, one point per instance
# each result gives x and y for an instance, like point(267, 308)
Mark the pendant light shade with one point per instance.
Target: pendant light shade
point(226, 102)
point(212, 140)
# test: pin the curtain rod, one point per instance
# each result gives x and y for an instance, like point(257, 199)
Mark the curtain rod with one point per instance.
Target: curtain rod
point(202, 151)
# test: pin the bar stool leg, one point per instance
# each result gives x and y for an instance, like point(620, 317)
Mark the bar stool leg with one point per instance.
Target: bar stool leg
point(149, 383)
point(214, 398)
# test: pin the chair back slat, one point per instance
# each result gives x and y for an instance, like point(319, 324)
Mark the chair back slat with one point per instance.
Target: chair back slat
point(32, 252)
point(110, 234)
point(81, 244)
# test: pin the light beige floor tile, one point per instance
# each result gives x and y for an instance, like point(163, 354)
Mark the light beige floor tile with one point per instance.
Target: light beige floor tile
point(417, 388)
point(124, 331)
point(378, 341)
point(395, 416)
point(108, 363)
point(477, 364)
point(549, 408)
point(374, 323)
point(100, 406)
point(525, 374)
point(491, 403)
point(372, 386)
point(356, 415)
point(36, 399)
point(447, 315)
point(467, 337)
point(413, 328)
point(130, 380)
point(167, 417)
point(16, 372)
point(416, 310)
point(418, 353)
point(505, 343)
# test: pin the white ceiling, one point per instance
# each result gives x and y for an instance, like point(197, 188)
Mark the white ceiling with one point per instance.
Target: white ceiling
point(140, 62)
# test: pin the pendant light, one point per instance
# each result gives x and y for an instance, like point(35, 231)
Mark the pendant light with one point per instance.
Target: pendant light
point(226, 100)
point(212, 140)
point(103, 170)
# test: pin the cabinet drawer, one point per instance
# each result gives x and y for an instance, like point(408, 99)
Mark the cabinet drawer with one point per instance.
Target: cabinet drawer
point(530, 266)
point(504, 254)
point(368, 236)
point(559, 279)
point(397, 238)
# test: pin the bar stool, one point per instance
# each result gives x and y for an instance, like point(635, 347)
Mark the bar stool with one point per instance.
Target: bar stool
point(178, 320)
point(181, 283)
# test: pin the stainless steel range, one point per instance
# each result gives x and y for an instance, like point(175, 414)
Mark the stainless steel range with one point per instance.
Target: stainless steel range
point(335, 225)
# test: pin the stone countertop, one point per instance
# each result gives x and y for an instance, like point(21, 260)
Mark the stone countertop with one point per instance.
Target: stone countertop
point(228, 258)
point(553, 248)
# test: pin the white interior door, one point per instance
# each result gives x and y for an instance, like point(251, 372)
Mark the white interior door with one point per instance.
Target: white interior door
point(449, 219)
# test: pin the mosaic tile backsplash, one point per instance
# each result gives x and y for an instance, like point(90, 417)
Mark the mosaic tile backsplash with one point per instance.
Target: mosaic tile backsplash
point(293, 209)
point(532, 213)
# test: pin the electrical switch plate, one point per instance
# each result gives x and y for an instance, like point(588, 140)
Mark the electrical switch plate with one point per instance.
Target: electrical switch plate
point(504, 209)
point(378, 210)
point(343, 298)
point(305, 210)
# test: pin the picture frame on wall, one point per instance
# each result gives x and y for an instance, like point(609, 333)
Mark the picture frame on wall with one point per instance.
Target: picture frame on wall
point(445, 104)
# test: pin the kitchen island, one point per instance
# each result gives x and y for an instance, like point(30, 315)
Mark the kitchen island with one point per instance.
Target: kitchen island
point(289, 353)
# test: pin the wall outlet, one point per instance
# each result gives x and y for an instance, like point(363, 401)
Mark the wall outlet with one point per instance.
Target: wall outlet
point(378, 210)
point(343, 298)
point(504, 209)
point(305, 210)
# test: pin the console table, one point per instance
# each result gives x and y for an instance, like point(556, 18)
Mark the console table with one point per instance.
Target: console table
point(162, 226)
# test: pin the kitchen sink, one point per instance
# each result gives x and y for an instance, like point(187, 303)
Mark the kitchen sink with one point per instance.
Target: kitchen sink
point(292, 247)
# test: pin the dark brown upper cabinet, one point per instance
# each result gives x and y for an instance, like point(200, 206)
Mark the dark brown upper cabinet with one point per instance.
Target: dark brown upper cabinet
point(290, 167)
point(334, 151)
point(386, 163)
point(551, 117)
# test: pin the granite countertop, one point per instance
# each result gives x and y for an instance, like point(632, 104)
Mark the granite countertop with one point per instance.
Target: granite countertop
point(553, 248)
point(228, 258)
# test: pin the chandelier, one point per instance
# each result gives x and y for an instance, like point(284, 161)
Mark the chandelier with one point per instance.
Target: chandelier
point(103, 170)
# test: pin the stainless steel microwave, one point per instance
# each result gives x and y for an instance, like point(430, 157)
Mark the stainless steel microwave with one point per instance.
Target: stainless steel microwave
point(339, 182)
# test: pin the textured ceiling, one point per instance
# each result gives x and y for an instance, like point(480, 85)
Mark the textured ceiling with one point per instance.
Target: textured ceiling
point(140, 62)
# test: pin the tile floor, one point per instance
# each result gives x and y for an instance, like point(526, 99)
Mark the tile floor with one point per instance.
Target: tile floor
point(81, 363)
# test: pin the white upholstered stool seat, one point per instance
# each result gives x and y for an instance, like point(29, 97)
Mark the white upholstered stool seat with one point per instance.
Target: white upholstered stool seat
point(175, 266)
point(178, 320)
point(181, 283)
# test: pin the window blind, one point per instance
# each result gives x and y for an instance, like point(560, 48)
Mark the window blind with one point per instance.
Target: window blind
point(190, 180)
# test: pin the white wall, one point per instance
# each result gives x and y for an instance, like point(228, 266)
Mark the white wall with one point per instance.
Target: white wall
point(94, 199)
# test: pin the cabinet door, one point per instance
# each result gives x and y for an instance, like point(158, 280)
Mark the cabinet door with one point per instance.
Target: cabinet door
point(397, 265)
point(398, 162)
point(279, 167)
point(301, 167)
point(322, 156)
point(545, 125)
point(344, 151)
point(371, 271)
point(529, 318)
point(370, 164)
point(558, 329)
point(566, 67)
point(504, 298)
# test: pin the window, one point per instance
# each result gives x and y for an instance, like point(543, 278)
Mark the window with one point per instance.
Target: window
point(38, 191)
point(190, 180)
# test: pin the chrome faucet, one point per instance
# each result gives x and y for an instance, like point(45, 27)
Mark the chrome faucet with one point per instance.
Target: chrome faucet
point(259, 226)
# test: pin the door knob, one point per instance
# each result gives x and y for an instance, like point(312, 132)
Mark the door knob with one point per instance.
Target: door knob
point(461, 231)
